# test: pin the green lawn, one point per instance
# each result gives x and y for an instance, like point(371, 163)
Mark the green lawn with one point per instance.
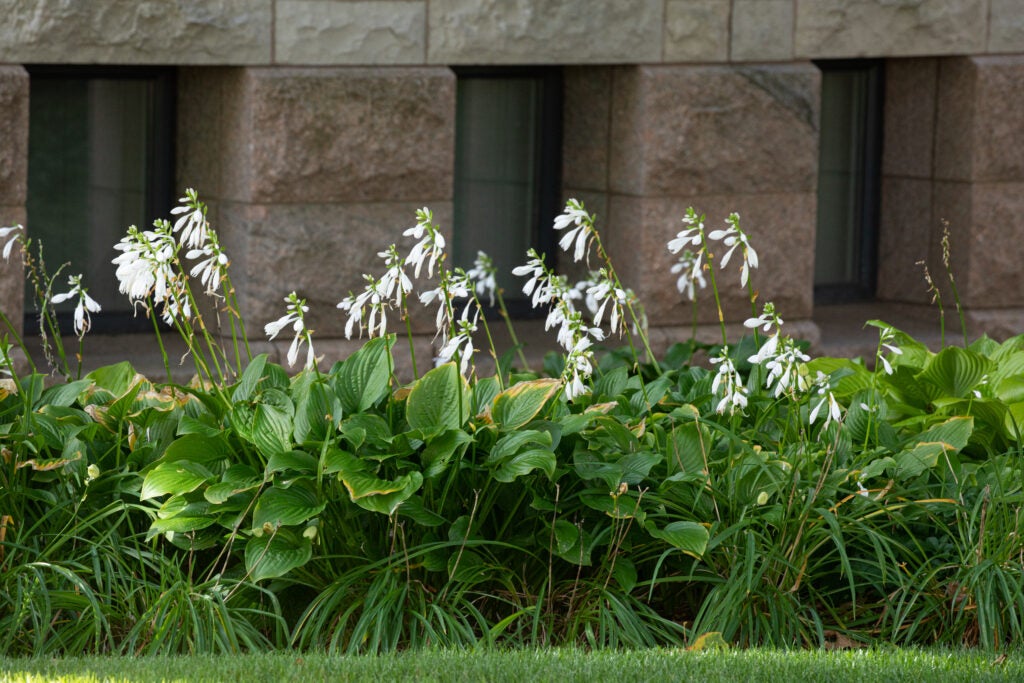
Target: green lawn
point(562, 665)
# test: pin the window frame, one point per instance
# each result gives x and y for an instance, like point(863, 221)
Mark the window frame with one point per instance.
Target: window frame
point(867, 207)
point(160, 173)
point(548, 184)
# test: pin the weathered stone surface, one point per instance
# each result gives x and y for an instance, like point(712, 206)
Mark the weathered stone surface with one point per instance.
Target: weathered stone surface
point(13, 135)
point(905, 237)
point(697, 30)
point(762, 30)
point(319, 250)
point(136, 32)
point(337, 134)
point(998, 109)
point(12, 278)
point(996, 250)
point(863, 28)
point(781, 230)
point(910, 92)
point(331, 32)
point(1006, 26)
point(980, 119)
point(540, 31)
point(588, 97)
point(682, 130)
point(998, 323)
point(212, 120)
point(954, 134)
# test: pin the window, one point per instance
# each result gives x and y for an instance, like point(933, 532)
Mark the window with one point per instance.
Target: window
point(848, 181)
point(507, 161)
point(100, 159)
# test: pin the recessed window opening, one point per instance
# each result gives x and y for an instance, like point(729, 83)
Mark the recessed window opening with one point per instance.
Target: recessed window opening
point(507, 161)
point(100, 159)
point(848, 181)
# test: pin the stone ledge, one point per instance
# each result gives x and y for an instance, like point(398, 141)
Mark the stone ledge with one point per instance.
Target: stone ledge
point(134, 32)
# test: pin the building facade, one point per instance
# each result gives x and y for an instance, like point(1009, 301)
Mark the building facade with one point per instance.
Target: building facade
point(844, 132)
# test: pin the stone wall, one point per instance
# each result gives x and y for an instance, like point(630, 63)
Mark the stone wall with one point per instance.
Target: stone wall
point(644, 143)
point(443, 32)
point(953, 154)
point(13, 183)
point(309, 172)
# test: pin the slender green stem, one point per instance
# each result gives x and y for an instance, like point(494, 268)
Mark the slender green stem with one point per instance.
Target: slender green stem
point(753, 311)
point(151, 313)
point(408, 335)
point(490, 340)
point(511, 330)
point(714, 286)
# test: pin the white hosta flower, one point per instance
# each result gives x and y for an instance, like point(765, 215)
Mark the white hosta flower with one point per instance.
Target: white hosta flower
point(211, 269)
point(692, 236)
point(191, 221)
point(765, 321)
point(453, 285)
point(598, 297)
point(579, 365)
point(6, 234)
point(484, 274)
point(535, 285)
point(176, 307)
point(733, 237)
point(430, 246)
point(727, 379)
point(786, 371)
point(580, 235)
point(691, 273)
point(144, 267)
point(886, 336)
point(461, 343)
point(86, 304)
point(395, 285)
point(373, 299)
point(295, 317)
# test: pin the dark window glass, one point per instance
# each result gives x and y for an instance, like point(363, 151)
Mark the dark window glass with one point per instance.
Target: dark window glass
point(507, 156)
point(848, 181)
point(100, 159)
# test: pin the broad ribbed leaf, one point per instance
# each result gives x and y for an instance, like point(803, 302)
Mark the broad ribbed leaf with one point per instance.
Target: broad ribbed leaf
point(273, 555)
point(175, 478)
point(913, 461)
point(285, 507)
point(250, 379)
point(293, 461)
point(439, 452)
point(369, 491)
point(690, 537)
point(953, 433)
point(524, 463)
point(484, 392)
point(438, 400)
point(196, 448)
point(271, 430)
point(64, 395)
point(956, 371)
point(363, 378)
point(519, 404)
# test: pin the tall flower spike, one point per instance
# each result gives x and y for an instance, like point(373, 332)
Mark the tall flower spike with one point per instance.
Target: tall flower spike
point(295, 316)
point(692, 236)
point(581, 235)
point(86, 304)
point(484, 276)
point(727, 378)
point(191, 221)
point(430, 246)
point(734, 238)
point(691, 273)
point(5, 233)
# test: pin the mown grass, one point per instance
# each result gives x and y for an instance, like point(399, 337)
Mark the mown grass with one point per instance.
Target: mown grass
point(561, 665)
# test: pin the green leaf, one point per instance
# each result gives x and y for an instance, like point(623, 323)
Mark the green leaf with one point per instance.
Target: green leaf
point(250, 379)
point(519, 404)
point(484, 392)
point(625, 573)
point(690, 537)
point(525, 462)
point(414, 509)
point(63, 395)
point(180, 524)
point(438, 399)
point(954, 433)
point(956, 371)
point(367, 490)
point(295, 461)
point(286, 507)
point(314, 414)
point(271, 430)
point(197, 448)
point(439, 452)
point(273, 555)
point(175, 478)
point(363, 378)
point(924, 456)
